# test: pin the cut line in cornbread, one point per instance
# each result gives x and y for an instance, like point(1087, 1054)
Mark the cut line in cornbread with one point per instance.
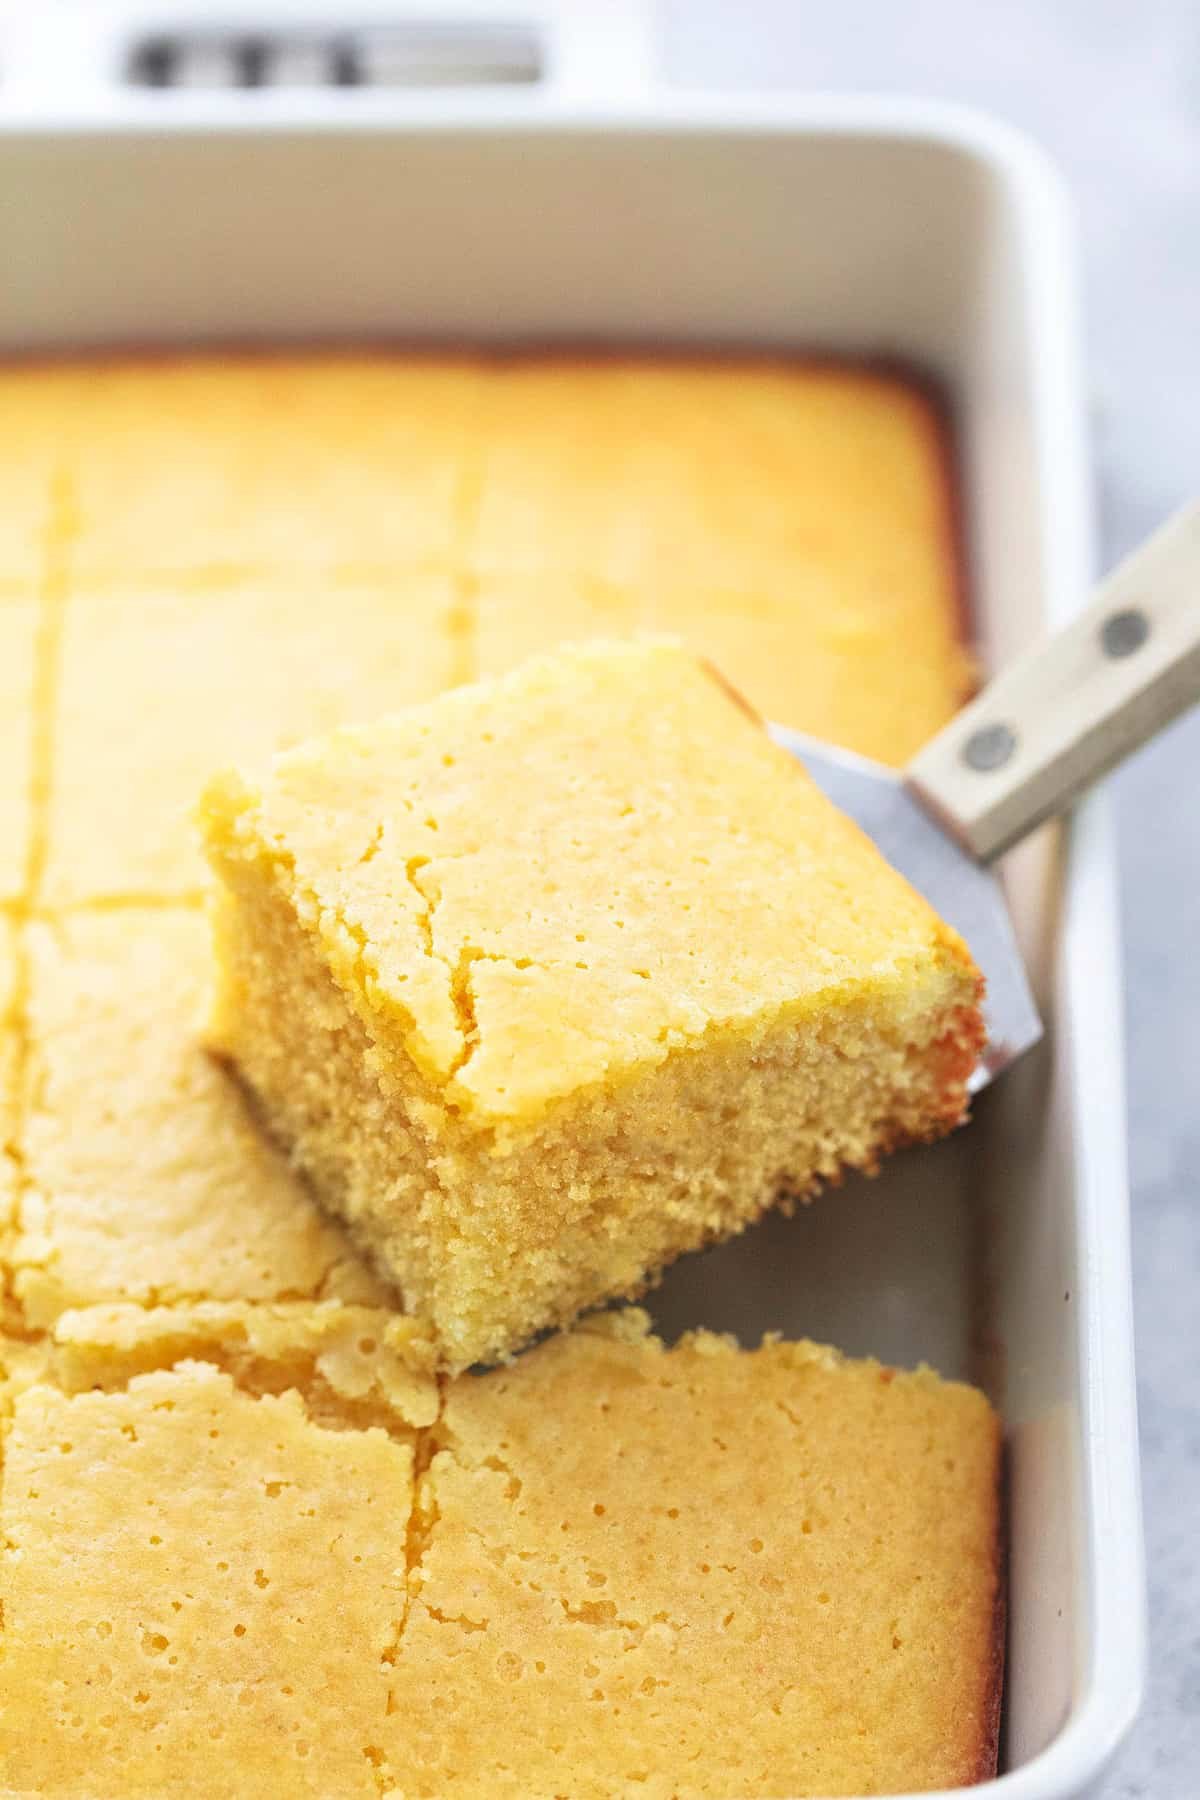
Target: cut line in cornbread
point(694, 1574)
point(566, 973)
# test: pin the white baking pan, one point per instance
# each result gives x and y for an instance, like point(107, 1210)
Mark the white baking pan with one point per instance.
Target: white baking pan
point(541, 209)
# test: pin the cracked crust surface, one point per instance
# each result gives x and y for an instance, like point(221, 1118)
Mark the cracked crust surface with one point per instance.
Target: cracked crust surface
point(576, 942)
point(611, 1565)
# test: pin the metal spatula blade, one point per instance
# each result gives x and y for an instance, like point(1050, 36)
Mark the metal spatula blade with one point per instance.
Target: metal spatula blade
point(1040, 734)
point(963, 891)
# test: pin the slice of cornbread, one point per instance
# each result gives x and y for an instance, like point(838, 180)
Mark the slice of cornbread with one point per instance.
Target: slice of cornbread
point(703, 1572)
point(146, 1178)
point(694, 1573)
point(569, 972)
point(236, 1582)
point(159, 683)
point(18, 640)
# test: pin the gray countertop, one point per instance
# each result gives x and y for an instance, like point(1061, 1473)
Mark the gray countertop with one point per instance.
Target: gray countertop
point(1112, 90)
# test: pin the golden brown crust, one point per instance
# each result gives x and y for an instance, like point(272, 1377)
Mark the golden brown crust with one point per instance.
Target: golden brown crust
point(910, 377)
point(956, 1053)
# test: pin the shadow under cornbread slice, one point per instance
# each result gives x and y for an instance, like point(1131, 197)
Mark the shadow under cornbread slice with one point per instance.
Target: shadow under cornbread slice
point(700, 1572)
point(564, 974)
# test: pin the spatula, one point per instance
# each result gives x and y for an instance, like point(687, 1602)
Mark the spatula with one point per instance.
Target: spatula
point(1036, 737)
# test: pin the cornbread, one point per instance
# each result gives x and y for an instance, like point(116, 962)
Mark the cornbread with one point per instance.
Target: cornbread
point(145, 1177)
point(247, 549)
point(34, 407)
point(356, 1365)
point(236, 1574)
point(792, 522)
point(18, 637)
point(8, 1080)
point(512, 608)
point(159, 684)
point(611, 1566)
point(249, 1540)
point(563, 974)
point(239, 465)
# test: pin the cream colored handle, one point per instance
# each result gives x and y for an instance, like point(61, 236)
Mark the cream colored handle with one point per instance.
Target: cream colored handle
point(1076, 704)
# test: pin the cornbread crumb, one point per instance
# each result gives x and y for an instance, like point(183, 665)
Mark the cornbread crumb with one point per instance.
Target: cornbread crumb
point(160, 684)
point(147, 1179)
point(24, 1362)
point(700, 1572)
point(566, 973)
point(356, 1364)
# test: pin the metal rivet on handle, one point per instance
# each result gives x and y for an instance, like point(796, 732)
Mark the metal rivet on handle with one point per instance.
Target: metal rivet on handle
point(1124, 632)
point(989, 748)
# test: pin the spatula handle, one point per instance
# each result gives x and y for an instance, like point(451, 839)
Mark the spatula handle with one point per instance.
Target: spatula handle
point(1066, 711)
